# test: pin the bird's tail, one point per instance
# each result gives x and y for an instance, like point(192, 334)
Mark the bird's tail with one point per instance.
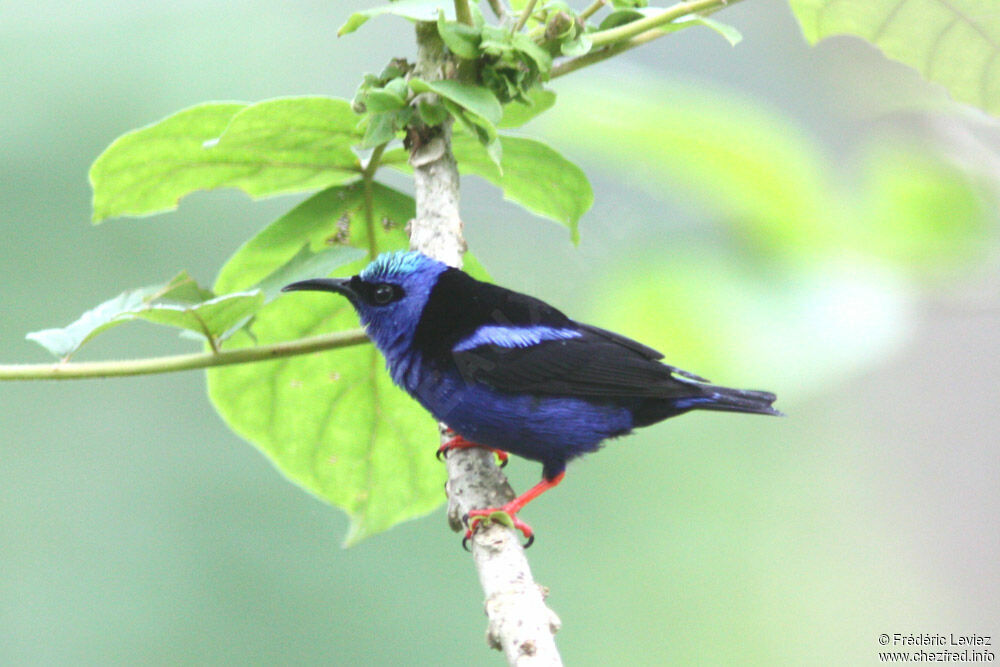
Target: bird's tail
point(726, 399)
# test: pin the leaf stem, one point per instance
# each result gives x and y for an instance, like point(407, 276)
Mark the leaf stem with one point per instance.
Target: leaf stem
point(499, 9)
point(525, 15)
point(181, 362)
point(592, 9)
point(462, 12)
point(213, 342)
point(368, 173)
point(635, 28)
point(368, 176)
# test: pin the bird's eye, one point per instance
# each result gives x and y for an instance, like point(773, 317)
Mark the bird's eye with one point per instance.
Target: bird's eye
point(383, 294)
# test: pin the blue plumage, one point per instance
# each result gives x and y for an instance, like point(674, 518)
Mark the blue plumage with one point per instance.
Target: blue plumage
point(505, 335)
point(510, 372)
point(390, 264)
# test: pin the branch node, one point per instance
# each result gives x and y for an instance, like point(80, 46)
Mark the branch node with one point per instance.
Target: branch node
point(428, 151)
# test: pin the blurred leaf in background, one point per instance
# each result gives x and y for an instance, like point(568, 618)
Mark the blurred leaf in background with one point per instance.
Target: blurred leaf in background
point(847, 255)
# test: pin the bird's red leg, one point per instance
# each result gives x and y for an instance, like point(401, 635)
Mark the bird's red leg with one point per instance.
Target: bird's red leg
point(458, 442)
point(475, 517)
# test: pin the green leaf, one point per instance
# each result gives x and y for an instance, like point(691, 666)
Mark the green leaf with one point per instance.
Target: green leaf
point(516, 114)
point(378, 100)
point(415, 10)
point(477, 100)
point(272, 147)
point(576, 47)
point(333, 423)
point(956, 43)
point(463, 40)
point(533, 52)
point(179, 302)
point(484, 131)
point(475, 107)
point(534, 175)
point(212, 319)
point(431, 113)
point(728, 32)
point(62, 342)
point(380, 129)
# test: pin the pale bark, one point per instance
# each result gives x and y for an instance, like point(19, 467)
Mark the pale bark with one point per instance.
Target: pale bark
point(520, 624)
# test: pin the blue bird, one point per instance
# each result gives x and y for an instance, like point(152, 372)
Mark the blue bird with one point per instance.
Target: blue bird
point(510, 372)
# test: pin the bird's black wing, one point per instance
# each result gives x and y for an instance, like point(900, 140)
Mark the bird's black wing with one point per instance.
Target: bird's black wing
point(595, 364)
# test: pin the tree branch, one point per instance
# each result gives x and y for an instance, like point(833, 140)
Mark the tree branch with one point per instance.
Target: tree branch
point(597, 55)
point(519, 622)
point(181, 362)
point(636, 28)
point(616, 39)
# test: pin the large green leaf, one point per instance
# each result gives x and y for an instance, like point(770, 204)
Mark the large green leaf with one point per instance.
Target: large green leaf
point(332, 422)
point(955, 42)
point(272, 147)
point(308, 264)
point(415, 10)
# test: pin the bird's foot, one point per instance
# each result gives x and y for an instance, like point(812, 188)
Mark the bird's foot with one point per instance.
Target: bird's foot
point(458, 442)
point(506, 515)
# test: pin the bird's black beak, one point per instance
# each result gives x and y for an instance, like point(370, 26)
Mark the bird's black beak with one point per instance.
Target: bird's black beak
point(338, 285)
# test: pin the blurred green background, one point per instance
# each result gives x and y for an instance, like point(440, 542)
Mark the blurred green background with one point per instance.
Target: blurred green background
point(817, 222)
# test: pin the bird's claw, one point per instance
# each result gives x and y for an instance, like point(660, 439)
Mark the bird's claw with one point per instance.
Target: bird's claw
point(458, 442)
point(484, 517)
